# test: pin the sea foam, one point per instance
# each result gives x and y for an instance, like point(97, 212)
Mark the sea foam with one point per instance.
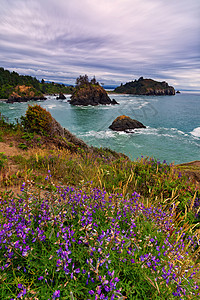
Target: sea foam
point(196, 132)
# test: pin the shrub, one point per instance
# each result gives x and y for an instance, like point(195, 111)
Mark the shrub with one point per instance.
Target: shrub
point(37, 119)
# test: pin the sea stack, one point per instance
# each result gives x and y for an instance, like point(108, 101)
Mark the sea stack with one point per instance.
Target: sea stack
point(61, 97)
point(89, 93)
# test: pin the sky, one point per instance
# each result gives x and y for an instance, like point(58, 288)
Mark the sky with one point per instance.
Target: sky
point(114, 40)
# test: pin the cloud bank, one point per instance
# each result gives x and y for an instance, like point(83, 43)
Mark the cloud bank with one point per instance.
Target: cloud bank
point(115, 40)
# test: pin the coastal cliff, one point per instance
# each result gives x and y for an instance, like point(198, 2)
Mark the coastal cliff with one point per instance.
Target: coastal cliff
point(21, 88)
point(146, 87)
point(24, 93)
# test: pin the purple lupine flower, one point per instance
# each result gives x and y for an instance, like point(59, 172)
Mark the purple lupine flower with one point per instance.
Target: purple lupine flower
point(22, 187)
point(56, 294)
point(20, 286)
point(91, 292)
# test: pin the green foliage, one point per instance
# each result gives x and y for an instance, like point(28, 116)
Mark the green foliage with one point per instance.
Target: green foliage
point(83, 81)
point(3, 160)
point(23, 146)
point(1, 137)
point(9, 80)
point(8, 128)
point(55, 88)
point(37, 119)
point(28, 136)
point(144, 87)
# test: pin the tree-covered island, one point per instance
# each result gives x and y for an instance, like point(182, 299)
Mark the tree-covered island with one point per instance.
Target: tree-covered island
point(146, 87)
point(89, 92)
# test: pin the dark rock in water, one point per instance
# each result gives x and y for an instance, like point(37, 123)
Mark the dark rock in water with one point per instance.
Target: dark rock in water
point(113, 101)
point(124, 123)
point(61, 97)
point(146, 87)
point(89, 93)
point(13, 99)
point(178, 92)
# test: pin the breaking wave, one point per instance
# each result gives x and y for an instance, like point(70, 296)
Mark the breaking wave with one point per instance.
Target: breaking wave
point(196, 132)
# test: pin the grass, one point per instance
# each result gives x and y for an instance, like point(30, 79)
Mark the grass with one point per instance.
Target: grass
point(92, 224)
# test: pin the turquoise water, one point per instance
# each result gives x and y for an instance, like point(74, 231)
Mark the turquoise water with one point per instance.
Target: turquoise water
point(172, 133)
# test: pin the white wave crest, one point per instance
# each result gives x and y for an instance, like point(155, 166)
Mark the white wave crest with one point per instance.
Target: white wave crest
point(99, 134)
point(50, 106)
point(196, 132)
point(164, 132)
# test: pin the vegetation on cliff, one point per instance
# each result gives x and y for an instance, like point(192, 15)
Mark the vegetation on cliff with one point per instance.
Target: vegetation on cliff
point(22, 93)
point(84, 223)
point(10, 81)
point(145, 87)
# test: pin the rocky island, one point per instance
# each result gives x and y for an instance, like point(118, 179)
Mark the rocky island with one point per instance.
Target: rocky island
point(89, 93)
point(61, 96)
point(146, 87)
point(124, 123)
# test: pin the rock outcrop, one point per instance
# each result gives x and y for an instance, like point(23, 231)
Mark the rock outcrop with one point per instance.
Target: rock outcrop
point(24, 93)
point(124, 123)
point(61, 97)
point(90, 93)
point(146, 87)
point(38, 120)
point(56, 130)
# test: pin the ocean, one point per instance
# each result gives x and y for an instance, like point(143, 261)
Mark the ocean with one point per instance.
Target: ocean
point(172, 133)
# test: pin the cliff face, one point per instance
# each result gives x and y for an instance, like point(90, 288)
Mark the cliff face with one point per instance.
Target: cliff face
point(146, 87)
point(90, 94)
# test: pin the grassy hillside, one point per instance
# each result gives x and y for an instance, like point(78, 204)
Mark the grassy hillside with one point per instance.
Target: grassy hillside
point(79, 222)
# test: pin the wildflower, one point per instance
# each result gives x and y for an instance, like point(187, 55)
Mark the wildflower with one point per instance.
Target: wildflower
point(20, 286)
point(56, 294)
point(22, 187)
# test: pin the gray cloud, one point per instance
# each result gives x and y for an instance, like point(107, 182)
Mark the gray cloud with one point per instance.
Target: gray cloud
point(116, 40)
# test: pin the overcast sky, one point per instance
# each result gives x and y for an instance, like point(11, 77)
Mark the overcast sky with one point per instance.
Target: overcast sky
point(115, 40)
